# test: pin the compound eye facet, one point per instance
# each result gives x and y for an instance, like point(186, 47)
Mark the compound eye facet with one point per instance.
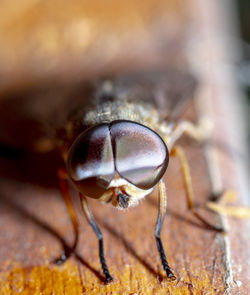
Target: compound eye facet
point(141, 156)
point(91, 162)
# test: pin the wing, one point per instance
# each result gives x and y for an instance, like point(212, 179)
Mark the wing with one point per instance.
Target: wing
point(169, 91)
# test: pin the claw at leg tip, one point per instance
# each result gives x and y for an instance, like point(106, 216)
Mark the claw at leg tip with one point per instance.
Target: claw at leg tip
point(108, 280)
point(171, 277)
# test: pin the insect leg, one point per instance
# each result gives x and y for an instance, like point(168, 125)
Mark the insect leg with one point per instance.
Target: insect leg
point(199, 132)
point(188, 184)
point(98, 233)
point(161, 215)
point(62, 176)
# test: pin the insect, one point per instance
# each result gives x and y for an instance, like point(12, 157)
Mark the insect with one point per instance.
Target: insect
point(118, 150)
point(116, 137)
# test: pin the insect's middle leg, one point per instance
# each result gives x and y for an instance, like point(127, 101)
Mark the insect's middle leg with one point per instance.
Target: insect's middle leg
point(199, 132)
point(177, 151)
point(62, 176)
point(98, 233)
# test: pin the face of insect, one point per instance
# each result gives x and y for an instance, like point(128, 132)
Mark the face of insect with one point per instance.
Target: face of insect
point(119, 162)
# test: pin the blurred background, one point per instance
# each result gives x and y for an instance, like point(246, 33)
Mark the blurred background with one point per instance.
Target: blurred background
point(243, 13)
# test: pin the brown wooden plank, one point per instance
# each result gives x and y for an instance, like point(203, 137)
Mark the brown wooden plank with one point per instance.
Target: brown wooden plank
point(35, 224)
point(36, 220)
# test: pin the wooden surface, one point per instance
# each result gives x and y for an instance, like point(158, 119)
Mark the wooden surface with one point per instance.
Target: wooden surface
point(35, 225)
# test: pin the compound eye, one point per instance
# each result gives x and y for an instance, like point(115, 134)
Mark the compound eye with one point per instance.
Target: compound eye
point(91, 162)
point(141, 156)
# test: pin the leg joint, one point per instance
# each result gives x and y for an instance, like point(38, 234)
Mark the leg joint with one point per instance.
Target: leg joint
point(100, 236)
point(157, 234)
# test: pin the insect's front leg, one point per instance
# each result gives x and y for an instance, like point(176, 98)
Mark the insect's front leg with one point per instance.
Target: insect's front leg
point(98, 233)
point(161, 215)
point(62, 177)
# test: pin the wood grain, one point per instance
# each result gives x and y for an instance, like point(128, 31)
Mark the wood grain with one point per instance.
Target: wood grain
point(35, 224)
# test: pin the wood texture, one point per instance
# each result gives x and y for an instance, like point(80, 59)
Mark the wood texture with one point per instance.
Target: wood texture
point(35, 224)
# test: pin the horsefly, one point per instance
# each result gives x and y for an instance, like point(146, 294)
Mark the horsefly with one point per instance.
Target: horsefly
point(116, 149)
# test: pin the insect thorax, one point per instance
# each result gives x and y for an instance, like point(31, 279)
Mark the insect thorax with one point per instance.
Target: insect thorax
point(124, 109)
